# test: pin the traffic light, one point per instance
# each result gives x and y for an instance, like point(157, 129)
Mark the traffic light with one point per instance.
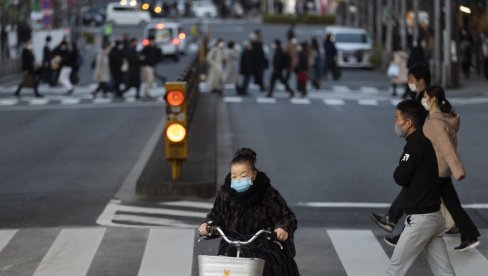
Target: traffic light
point(175, 132)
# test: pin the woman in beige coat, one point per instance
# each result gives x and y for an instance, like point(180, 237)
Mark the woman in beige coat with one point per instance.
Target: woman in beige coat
point(215, 61)
point(400, 59)
point(102, 71)
point(441, 127)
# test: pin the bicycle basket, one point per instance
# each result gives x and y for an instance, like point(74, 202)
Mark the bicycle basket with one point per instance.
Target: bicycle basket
point(229, 266)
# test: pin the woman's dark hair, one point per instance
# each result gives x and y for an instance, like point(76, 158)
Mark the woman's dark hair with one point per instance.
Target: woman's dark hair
point(438, 92)
point(315, 44)
point(412, 110)
point(245, 155)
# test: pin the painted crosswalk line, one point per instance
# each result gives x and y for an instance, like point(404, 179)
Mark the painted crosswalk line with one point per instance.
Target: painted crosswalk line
point(71, 253)
point(266, 100)
point(367, 102)
point(167, 250)
point(232, 99)
point(468, 263)
point(334, 102)
point(300, 101)
point(5, 236)
point(358, 250)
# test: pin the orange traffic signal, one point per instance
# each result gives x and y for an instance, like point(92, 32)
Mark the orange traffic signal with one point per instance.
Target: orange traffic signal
point(175, 98)
point(175, 132)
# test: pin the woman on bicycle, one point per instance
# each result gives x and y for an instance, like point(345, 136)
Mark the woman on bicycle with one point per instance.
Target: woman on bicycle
point(247, 203)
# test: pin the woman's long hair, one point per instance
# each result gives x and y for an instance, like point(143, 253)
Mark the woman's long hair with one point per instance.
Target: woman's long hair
point(443, 104)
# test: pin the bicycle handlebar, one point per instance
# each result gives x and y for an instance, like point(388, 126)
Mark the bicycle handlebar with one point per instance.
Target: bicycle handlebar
point(238, 243)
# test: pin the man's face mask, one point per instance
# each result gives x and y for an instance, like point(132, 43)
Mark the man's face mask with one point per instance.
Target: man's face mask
point(412, 86)
point(398, 130)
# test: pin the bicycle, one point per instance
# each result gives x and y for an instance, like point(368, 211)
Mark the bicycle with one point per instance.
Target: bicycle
point(233, 266)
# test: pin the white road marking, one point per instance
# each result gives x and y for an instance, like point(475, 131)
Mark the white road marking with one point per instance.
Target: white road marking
point(369, 90)
point(372, 205)
point(71, 253)
point(232, 100)
point(300, 101)
point(334, 102)
point(9, 102)
point(468, 263)
point(5, 237)
point(367, 102)
point(358, 250)
point(144, 222)
point(185, 203)
point(340, 88)
point(71, 101)
point(38, 101)
point(102, 100)
point(168, 252)
point(266, 100)
point(395, 102)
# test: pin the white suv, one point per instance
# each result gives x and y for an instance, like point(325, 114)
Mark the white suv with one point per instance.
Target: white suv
point(354, 46)
point(126, 15)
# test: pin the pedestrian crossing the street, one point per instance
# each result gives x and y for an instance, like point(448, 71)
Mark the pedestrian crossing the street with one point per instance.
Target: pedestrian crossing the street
point(172, 251)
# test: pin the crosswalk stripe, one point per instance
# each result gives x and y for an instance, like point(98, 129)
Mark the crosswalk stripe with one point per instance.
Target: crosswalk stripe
point(266, 100)
point(232, 99)
point(369, 90)
point(5, 237)
point(300, 101)
point(38, 101)
point(9, 102)
point(395, 102)
point(340, 88)
point(71, 253)
point(468, 263)
point(102, 100)
point(70, 101)
point(185, 203)
point(144, 221)
point(358, 250)
point(160, 211)
point(367, 102)
point(169, 251)
point(334, 102)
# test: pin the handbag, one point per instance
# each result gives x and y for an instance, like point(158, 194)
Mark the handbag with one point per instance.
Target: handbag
point(448, 221)
point(393, 70)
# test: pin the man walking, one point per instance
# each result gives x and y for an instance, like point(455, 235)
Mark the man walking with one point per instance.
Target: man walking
point(417, 172)
point(279, 64)
point(150, 56)
point(133, 78)
point(29, 79)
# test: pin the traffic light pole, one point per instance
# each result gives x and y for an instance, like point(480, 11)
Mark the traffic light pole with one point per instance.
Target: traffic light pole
point(176, 168)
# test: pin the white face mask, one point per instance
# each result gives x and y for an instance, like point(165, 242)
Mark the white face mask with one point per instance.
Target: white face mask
point(425, 104)
point(412, 87)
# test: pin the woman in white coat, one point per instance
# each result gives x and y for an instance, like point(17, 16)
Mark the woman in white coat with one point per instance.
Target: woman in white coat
point(231, 60)
point(215, 61)
point(102, 71)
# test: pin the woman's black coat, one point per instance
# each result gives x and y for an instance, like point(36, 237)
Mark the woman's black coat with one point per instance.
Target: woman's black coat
point(241, 215)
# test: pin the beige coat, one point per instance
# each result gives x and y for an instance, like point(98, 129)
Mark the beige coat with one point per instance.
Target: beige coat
point(102, 68)
point(441, 129)
point(400, 58)
point(215, 60)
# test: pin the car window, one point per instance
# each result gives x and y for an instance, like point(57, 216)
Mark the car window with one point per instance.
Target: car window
point(125, 9)
point(161, 34)
point(351, 38)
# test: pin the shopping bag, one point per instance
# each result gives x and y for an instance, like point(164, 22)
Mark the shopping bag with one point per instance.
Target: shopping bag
point(393, 70)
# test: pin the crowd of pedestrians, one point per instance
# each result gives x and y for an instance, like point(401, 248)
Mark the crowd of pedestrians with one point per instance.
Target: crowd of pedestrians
point(310, 62)
point(117, 67)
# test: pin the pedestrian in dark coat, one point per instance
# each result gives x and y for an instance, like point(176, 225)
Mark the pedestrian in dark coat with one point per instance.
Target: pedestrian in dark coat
point(116, 57)
point(302, 69)
point(245, 68)
point(47, 55)
point(133, 77)
point(259, 60)
point(279, 64)
point(330, 56)
point(247, 203)
point(28, 67)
